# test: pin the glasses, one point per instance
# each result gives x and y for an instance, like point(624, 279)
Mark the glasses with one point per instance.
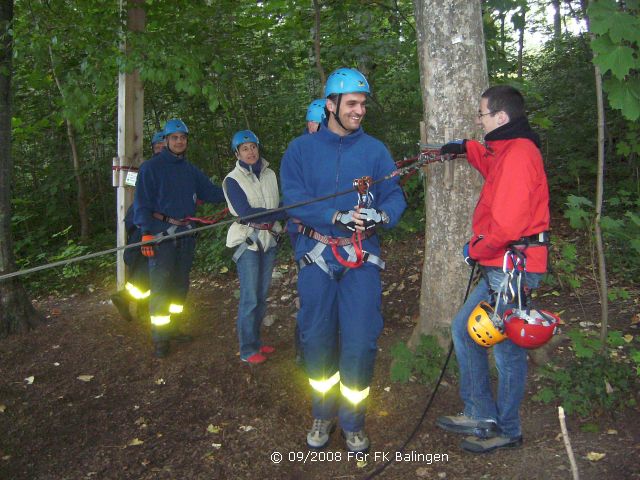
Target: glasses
point(480, 115)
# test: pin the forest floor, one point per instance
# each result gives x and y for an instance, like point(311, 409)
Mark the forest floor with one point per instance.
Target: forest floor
point(82, 397)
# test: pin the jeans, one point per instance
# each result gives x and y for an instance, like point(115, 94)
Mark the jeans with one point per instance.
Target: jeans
point(169, 272)
point(254, 271)
point(511, 362)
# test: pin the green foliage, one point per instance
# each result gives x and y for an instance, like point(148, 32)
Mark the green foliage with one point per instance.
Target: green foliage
point(425, 363)
point(616, 46)
point(596, 379)
point(565, 265)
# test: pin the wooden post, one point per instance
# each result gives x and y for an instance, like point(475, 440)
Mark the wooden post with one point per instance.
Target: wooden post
point(130, 113)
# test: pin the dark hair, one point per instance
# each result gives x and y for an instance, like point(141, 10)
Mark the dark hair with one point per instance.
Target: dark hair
point(505, 98)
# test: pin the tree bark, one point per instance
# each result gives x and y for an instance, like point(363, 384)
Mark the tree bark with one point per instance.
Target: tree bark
point(453, 74)
point(81, 196)
point(16, 311)
point(557, 22)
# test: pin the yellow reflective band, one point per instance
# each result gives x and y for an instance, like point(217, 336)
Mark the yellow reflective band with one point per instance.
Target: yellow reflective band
point(160, 320)
point(354, 396)
point(175, 308)
point(323, 386)
point(135, 292)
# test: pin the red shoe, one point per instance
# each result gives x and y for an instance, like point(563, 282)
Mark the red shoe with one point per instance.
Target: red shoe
point(267, 349)
point(255, 359)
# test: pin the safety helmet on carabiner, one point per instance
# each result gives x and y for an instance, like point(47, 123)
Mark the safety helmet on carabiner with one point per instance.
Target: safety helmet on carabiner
point(157, 138)
point(175, 125)
point(530, 329)
point(346, 80)
point(484, 326)
point(315, 111)
point(243, 136)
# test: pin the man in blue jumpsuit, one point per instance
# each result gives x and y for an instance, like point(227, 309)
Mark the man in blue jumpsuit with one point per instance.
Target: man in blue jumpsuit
point(340, 316)
point(166, 192)
point(136, 290)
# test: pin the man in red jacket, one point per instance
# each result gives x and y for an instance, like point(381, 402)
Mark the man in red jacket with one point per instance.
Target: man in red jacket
point(513, 209)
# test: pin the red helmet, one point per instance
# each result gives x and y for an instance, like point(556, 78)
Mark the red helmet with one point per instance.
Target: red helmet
point(530, 329)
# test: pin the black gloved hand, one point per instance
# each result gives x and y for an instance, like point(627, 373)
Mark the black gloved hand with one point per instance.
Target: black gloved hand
point(344, 219)
point(374, 217)
point(457, 147)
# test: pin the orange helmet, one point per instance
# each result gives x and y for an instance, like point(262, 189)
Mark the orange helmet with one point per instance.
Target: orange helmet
point(485, 326)
point(530, 329)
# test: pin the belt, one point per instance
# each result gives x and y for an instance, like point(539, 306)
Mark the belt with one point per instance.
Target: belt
point(172, 221)
point(339, 241)
point(538, 239)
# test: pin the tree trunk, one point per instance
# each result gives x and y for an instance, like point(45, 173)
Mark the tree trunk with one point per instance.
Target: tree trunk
point(602, 266)
point(453, 73)
point(16, 311)
point(521, 43)
point(316, 44)
point(81, 196)
point(557, 22)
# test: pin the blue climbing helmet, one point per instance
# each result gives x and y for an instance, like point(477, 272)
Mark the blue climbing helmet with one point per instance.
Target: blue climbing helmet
point(175, 125)
point(243, 136)
point(157, 138)
point(315, 111)
point(346, 80)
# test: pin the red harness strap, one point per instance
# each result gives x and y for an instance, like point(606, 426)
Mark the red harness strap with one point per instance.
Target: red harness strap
point(356, 241)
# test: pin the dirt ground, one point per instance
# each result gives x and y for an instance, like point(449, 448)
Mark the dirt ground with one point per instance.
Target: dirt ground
point(82, 397)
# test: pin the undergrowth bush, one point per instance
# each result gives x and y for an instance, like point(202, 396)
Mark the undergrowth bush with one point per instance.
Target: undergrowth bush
point(424, 363)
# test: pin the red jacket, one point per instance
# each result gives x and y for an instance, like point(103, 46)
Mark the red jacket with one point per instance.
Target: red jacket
point(513, 203)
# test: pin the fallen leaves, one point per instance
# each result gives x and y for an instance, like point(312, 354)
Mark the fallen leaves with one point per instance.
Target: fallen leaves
point(29, 380)
point(3, 407)
point(85, 378)
point(595, 456)
point(213, 428)
point(136, 441)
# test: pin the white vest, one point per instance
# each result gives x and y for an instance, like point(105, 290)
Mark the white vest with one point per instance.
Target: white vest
point(261, 193)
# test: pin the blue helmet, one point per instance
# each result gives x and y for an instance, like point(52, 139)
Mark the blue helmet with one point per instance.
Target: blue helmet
point(175, 125)
point(315, 111)
point(346, 80)
point(243, 136)
point(157, 138)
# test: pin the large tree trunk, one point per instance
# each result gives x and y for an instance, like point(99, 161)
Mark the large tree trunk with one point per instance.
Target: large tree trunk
point(16, 312)
point(453, 75)
point(317, 44)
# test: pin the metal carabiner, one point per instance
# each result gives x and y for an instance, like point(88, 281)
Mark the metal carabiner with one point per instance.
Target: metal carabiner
point(362, 186)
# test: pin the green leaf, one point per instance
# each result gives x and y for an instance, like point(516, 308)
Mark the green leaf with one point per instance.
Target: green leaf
point(625, 96)
point(618, 59)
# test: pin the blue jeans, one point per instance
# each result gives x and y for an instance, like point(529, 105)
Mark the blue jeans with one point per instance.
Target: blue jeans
point(511, 362)
point(254, 271)
point(169, 272)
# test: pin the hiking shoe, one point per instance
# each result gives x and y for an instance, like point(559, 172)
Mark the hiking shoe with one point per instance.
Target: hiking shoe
point(486, 445)
point(161, 349)
point(255, 359)
point(357, 442)
point(321, 430)
point(267, 349)
point(121, 302)
point(469, 426)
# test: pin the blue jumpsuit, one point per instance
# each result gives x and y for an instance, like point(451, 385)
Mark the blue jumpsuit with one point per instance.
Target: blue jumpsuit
point(340, 316)
point(169, 185)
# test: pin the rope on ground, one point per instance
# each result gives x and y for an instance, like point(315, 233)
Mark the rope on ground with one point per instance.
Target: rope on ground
point(424, 158)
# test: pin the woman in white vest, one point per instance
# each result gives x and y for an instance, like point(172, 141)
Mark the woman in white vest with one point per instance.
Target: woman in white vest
point(250, 188)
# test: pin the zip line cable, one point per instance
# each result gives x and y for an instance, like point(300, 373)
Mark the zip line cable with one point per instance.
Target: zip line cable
point(383, 466)
point(424, 158)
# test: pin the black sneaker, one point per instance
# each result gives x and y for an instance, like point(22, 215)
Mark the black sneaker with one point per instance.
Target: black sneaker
point(469, 426)
point(486, 445)
point(161, 349)
point(120, 300)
